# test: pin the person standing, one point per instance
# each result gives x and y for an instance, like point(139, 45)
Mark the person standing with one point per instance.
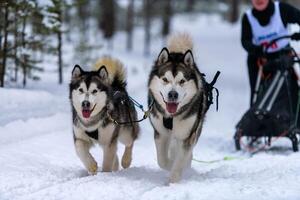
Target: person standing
point(265, 21)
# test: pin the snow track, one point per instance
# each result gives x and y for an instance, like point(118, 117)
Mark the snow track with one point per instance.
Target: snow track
point(38, 160)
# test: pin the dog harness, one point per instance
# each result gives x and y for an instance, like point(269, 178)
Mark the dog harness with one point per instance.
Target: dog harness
point(93, 134)
point(168, 123)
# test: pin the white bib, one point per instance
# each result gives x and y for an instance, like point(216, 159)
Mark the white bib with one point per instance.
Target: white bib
point(262, 35)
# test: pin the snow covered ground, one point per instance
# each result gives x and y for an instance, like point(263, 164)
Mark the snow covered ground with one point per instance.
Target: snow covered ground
point(38, 161)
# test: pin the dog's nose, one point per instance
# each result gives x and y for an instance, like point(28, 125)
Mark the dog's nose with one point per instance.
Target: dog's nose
point(86, 104)
point(173, 95)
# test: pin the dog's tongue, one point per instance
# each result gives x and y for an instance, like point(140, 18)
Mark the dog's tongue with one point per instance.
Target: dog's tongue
point(86, 113)
point(172, 107)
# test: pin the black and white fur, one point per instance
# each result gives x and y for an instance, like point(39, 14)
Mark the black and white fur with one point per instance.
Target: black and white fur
point(176, 88)
point(92, 93)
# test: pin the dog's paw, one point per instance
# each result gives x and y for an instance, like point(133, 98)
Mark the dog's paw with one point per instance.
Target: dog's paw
point(174, 178)
point(126, 161)
point(92, 168)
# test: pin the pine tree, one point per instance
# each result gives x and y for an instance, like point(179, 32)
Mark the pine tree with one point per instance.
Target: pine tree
point(20, 44)
point(29, 42)
point(56, 20)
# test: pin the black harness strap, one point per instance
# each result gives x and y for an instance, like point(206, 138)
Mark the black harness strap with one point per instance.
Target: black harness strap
point(168, 123)
point(126, 99)
point(209, 91)
point(93, 134)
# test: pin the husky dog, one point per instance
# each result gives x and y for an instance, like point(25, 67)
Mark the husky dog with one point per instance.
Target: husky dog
point(178, 95)
point(97, 97)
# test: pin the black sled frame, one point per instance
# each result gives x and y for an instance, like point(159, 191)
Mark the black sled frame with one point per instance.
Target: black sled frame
point(261, 121)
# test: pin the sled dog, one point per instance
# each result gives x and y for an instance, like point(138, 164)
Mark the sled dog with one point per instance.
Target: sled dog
point(96, 98)
point(176, 91)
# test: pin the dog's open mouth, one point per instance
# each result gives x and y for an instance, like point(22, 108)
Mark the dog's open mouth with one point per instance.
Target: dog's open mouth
point(86, 113)
point(171, 107)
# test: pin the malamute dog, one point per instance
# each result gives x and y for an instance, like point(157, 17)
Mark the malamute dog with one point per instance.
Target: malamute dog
point(177, 93)
point(97, 97)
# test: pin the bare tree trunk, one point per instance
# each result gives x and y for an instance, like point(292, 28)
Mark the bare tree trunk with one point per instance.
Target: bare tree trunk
point(60, 65)
point(24, 67)
point(234, 11)
point(83, 13)
point(59, 49)
point(5, 45)
point(190, 5)
point(1, 28)
point(24, 58)
point(16, 45)
point(167, 12)
point(107, 20)
point(147, 18)
point(129, 25)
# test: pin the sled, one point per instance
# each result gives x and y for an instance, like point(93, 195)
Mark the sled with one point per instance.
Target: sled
point(275, 108)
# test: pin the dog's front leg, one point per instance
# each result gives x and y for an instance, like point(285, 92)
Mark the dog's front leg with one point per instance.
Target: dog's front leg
point(82, 149)
point(182, 160)
point(127, 156)
point(162, 143)
point(110, 159)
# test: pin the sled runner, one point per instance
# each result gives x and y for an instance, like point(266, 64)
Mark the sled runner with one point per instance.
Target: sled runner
point(275, 107)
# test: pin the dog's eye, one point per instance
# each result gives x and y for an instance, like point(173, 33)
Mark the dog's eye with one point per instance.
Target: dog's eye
point(94, 91)
point(80, 90)
point(165, 80)
point(181, 82)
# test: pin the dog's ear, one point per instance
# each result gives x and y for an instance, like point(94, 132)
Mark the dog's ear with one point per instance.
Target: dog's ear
point(188, 58)
point(163, 56)
point(76, 72)
point(102, 72)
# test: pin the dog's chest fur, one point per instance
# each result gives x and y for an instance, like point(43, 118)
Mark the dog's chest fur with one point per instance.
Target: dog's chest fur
point(106, 133)
point(181, 128)
point(102, 134)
